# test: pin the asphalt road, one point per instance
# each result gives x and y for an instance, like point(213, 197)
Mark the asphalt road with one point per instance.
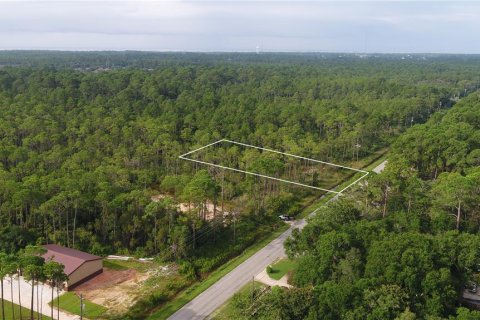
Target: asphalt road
point(212, 298)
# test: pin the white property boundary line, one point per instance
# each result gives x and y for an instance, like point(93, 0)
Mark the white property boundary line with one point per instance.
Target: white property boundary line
point(184, 157)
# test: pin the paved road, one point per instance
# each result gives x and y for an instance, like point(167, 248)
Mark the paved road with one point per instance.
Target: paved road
point(212, 298)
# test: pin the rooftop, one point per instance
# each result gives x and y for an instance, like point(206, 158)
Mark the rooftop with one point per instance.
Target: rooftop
point(72, 259)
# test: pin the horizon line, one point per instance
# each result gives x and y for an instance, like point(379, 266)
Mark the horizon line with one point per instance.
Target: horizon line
point(239, 51)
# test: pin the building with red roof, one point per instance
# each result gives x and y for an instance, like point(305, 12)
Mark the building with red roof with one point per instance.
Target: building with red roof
point(79, 266)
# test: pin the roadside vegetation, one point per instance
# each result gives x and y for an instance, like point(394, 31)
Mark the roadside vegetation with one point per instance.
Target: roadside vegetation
point(242, 299)
point(184, 297)
point(402, 245)
point(89, 157)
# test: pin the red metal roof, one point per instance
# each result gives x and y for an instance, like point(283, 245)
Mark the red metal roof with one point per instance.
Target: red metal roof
point(72, 259)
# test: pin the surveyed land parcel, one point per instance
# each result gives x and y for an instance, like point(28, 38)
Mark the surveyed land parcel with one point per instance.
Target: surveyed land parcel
point(272, 164)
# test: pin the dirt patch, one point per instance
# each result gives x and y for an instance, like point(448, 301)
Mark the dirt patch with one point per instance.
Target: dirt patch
point(115, 290)
point(210, 209)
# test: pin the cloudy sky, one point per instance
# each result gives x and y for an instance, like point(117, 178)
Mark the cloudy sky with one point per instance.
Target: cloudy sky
point(177, 25)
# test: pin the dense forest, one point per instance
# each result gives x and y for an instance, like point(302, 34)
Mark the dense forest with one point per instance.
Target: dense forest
point(88, 140)
point(405, 244)
point(101, 60)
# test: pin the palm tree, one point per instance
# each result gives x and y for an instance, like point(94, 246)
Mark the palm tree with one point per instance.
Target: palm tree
point(60, 278)
point(53, 272)
point(3, 274)
point(40, 278)
point(19, 265)
point(12, 269)
point(49, 271)
point(33, 262)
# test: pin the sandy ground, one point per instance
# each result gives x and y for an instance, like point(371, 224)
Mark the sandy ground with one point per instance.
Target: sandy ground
point(184, 207)
point(116, 290)
point(26, 293)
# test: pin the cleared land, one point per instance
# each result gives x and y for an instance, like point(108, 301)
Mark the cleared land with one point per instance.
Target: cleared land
point(113, 289)
point(124, 285)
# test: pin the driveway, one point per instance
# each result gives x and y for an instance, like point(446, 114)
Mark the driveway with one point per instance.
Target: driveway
point(26, 294)
point(263, 277)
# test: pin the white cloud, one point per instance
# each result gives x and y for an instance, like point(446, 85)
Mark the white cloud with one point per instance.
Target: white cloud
point(240, 25)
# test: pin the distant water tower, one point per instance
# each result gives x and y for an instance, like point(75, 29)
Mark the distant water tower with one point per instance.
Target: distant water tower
point(257, 50)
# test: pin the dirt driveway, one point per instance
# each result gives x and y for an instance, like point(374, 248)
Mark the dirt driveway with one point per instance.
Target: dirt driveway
point(113, 289)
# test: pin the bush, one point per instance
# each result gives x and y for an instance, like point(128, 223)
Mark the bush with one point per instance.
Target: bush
point(155, 298)
point(290, 275)
point(140, 308)
point(269, 269)
point(188, 270)
point(99, 249)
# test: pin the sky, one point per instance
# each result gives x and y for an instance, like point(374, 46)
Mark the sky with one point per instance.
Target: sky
point(286, 26)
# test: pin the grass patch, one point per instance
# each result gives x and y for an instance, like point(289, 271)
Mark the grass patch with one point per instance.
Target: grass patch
point(114, 265)
point(130, 264)
point(190, 293)
point(70, 302)
point(281, 268)
point(9, 311)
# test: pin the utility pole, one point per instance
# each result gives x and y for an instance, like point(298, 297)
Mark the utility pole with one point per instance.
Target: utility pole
point(234, 226)
point(223, 181)
point(253, 289)
point(81, 307)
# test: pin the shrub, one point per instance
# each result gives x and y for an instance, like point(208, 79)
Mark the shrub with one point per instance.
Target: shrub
point(140, 308)
point(188, 270)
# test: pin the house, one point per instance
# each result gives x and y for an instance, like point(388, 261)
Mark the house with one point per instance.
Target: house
point(79, 266)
